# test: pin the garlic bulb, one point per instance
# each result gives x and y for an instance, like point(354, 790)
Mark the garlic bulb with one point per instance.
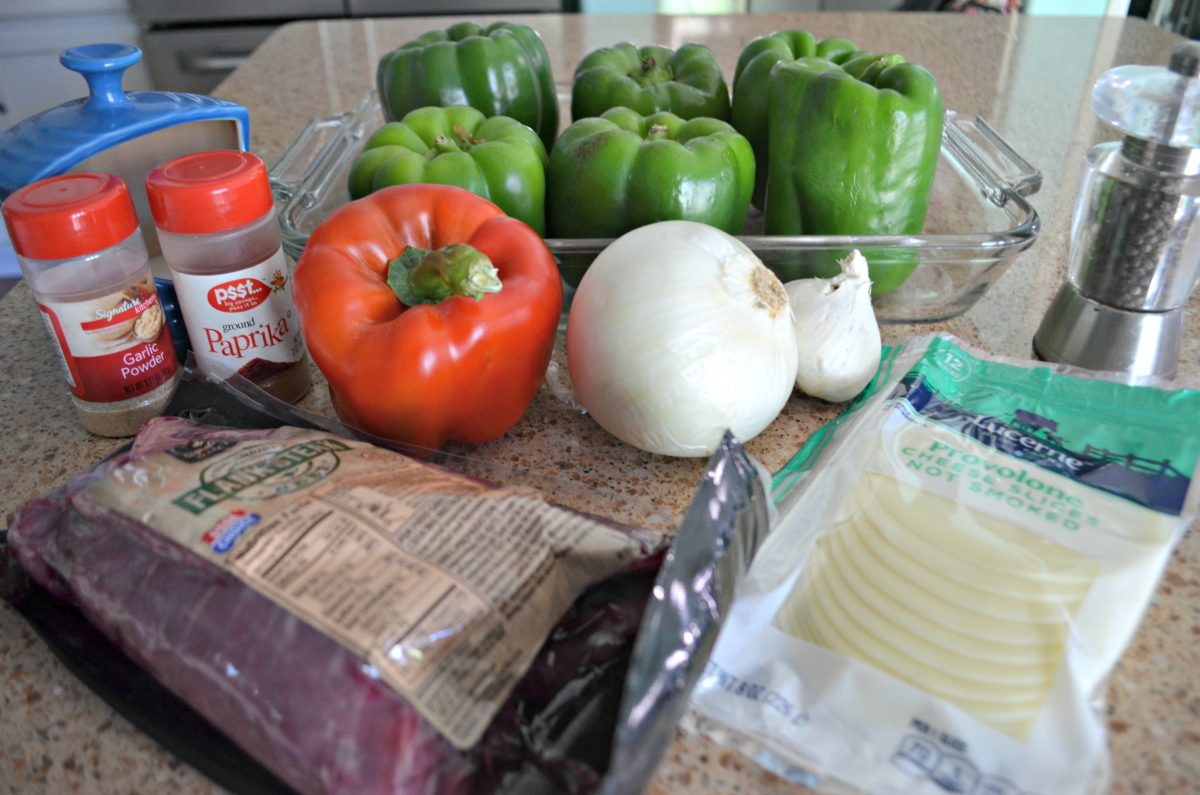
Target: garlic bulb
point(676, 333)
point(836, 332)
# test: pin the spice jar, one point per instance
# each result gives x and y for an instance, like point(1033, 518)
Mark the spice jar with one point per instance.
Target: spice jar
point(215, 217)
point(84, 258)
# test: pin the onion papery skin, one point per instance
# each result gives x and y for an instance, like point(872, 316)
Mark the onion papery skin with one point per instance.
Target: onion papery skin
point(669, 344)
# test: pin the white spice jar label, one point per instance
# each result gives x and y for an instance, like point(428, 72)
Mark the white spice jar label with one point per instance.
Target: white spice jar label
point(114, 346)
point(239, 321)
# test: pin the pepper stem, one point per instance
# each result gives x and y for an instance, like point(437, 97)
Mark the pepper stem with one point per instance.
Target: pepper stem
point(419, 276)
point(656, 132)
point(651, 73)
point(459, 141)
point(441, 145)
point(465, 139)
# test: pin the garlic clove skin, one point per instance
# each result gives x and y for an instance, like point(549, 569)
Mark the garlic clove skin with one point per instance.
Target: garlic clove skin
point(836, 332)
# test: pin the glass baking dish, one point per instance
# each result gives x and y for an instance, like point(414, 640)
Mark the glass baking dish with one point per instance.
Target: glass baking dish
point(978, 221)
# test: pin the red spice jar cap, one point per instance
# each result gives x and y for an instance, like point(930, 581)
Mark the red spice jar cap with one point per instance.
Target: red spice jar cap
point(69, 216)
point(209, 192)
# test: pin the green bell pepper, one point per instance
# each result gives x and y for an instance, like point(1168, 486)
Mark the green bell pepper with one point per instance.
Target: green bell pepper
point(853, 151)
point(500, 70)
point(686, 82)
point(621, 170)
point(498, 158)
point(751, 79)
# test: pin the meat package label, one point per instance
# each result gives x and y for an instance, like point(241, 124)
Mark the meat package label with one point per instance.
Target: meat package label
point(445, 586)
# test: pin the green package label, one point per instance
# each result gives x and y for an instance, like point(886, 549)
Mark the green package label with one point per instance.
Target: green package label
point(1118, 438)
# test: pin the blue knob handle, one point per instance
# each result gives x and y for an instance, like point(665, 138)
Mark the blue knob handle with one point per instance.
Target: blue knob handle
point(103, 67)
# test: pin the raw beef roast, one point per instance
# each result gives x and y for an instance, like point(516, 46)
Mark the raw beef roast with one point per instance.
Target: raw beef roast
point(310, 710)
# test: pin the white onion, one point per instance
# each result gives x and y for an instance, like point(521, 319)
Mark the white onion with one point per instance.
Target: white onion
point(678, 332)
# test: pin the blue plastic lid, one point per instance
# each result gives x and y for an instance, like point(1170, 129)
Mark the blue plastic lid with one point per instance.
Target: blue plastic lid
point(55, 140)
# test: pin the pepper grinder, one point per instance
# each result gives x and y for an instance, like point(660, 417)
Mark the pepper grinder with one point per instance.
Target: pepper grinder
point(1135, 240)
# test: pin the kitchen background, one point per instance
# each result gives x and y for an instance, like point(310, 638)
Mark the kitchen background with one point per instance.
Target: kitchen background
point(191, 45)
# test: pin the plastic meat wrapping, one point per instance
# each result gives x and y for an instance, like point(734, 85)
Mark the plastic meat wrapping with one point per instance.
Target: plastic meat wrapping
point(728, 518)
point(312, 712)
point(243, 676)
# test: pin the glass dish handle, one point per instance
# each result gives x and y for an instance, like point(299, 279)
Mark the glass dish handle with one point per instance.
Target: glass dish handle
point(303, 172)
point(995, 168)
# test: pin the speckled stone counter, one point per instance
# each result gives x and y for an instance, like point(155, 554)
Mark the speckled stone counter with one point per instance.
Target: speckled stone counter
point(1029, 76)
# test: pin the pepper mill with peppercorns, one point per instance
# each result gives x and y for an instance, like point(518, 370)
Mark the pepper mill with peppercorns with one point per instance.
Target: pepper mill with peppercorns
point(1135, 238)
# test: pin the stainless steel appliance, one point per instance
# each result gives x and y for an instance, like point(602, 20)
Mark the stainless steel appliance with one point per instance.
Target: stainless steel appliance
point(1135, 237)
point(192, 46)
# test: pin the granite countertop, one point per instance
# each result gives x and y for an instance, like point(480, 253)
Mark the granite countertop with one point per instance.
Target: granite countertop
point(1028, 76)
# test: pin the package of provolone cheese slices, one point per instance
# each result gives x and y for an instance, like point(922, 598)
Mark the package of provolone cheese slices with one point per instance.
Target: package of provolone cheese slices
point(959, 561)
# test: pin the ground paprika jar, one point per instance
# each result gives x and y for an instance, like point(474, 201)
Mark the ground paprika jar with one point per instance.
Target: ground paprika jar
point(83, 256)
point(215, 217)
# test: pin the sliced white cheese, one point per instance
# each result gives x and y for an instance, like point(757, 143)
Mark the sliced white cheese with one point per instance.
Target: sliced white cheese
point(948, 598)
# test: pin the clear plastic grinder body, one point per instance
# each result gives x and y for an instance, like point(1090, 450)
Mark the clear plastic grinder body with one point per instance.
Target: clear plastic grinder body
point(1135, 234)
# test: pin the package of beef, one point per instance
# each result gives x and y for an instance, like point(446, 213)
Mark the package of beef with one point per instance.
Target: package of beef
point(355, 620)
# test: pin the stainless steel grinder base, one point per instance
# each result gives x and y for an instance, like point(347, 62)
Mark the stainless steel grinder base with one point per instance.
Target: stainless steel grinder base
point(1087, 333)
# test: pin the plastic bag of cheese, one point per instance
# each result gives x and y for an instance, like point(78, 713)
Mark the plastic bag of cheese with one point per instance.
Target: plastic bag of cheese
point(960, 560)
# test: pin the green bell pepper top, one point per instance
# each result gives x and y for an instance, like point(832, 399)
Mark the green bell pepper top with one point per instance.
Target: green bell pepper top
point(497, 158)
point(751, 79)
point(621, 170)
point(853, 150)
point(500, 70)
point(686, 82)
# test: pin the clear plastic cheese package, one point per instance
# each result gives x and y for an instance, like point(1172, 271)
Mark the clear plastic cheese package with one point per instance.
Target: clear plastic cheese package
point(959, 561)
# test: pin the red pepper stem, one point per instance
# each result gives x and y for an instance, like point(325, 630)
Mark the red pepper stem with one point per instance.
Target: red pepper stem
point(419, 276)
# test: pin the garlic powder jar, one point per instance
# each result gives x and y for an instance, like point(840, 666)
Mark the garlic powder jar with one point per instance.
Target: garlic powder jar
point(84, 258)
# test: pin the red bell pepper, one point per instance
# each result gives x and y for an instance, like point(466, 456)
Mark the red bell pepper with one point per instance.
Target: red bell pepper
point(462, 353)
